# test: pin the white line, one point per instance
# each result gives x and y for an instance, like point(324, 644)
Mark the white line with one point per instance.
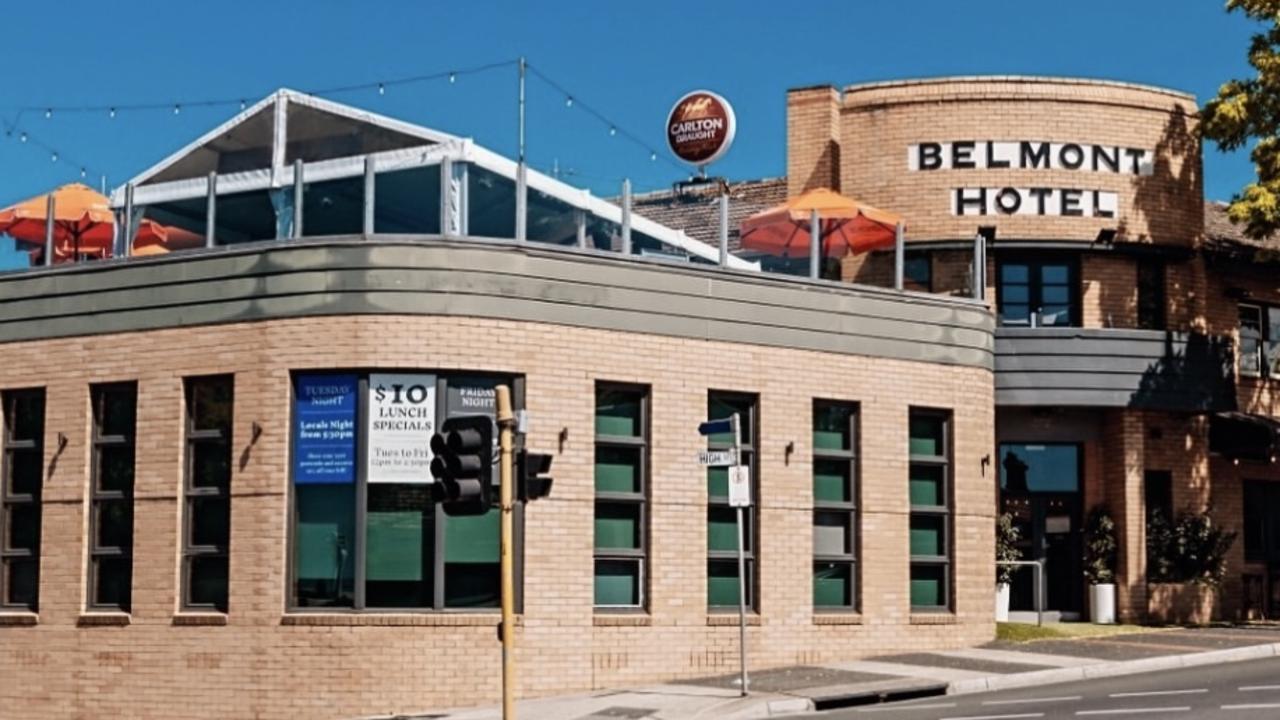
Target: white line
point(1252, 688)
point(1253, 706)
point(1133, 711)
point(1031, 700)
point(1153, 693)
point(907, 707)
point(996, 716)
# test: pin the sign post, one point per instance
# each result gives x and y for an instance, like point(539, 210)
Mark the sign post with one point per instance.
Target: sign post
point(739, 497)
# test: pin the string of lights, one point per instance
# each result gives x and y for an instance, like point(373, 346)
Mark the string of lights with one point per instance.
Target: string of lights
point(21, 132)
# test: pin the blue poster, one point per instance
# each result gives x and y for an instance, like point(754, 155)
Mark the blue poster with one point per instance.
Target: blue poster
point(324, 429)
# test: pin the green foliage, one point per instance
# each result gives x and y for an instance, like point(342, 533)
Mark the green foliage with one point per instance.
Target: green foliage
point(1188, 549)
point(1249, 109)
point(1007, 537)
point(1100, 547)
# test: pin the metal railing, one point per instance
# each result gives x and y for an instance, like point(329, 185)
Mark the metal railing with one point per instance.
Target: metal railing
point(1037, 590)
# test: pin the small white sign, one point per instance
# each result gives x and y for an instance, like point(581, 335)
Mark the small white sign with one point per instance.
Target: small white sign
point(740, 486)
point(718, 458)
point(1057, 524)
point(402, 419)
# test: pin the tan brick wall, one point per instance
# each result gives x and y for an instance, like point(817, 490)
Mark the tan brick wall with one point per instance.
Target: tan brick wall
point(813, 139)
point(879, 122)
point(262, 664)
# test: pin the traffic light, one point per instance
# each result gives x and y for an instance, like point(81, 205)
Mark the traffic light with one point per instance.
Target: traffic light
point(463, 465)
point(531, 480)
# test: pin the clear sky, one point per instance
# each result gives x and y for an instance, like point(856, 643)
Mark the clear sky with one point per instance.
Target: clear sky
point(628, 60)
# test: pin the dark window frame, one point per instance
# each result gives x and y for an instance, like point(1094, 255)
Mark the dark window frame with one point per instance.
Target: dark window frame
point(191, 552)
point(850, 510)
point(1152, 276)
point(1263, 339)
point(9, 499)
point(945, 511)
point(97, 496)
point(907, 281)
point(640, 499)
point(751, 515)
point(1035, 291)
point(359, 606)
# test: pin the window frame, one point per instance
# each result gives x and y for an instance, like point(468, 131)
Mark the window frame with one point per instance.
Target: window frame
point(360, 501)
point(1157, 302)
point(192, 494)
point(907, 281)
point(8, 498)
point(751, 515)
point(1260, 353)
point(945, 511)
point(850, 509)
point(1035, 288)
point(97, 553)
point(642, 444)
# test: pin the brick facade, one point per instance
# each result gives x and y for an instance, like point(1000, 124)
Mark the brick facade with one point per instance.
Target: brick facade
point(262, 661)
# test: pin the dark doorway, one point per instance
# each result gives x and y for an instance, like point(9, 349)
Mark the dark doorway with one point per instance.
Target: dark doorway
point(1040, 488)
point(1262, 539)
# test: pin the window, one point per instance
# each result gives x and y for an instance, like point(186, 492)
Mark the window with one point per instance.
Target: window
point(111, 514)
point(1038, 293)
point(375, 543)
point(917, 272)
point(722, 521)
point(930, 521)
point(1151, 294)
point(1259, 342)
point(621, 481)
point(207, 532)
point(835, 506)
point(20, 486)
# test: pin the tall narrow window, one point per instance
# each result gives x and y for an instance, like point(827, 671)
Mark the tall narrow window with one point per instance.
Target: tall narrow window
point(207, 532)
point(722, 524)
point(20, 487)
point(930, 521)
point(835, 506)
point(1250, 353)
point(1151, 294)
point(111, 513)
point(622, 479)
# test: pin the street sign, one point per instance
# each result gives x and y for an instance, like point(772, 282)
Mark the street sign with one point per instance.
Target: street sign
point(716, 427)
point(718, 458)
point(740, 486)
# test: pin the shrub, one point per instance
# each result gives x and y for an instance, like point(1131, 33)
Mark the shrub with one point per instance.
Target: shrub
point(1100, 547)
point(1189, 549)
point(1007, 537)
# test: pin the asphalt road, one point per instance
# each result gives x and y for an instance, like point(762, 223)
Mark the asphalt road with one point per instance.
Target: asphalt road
point(1238, 691)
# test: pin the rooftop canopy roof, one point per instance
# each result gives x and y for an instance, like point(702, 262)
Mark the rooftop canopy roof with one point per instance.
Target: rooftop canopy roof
point(425, 182)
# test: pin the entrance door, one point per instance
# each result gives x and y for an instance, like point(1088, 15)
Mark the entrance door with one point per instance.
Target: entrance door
point(1040, 488)
point(1262, 538)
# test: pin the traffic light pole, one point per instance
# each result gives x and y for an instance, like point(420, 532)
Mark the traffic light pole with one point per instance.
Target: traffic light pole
point(506, 424)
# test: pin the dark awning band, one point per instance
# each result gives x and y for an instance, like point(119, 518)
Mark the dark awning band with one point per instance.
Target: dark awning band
point(1244, 436)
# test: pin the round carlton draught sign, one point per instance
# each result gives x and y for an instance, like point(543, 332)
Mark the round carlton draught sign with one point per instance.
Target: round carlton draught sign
point(700, 127)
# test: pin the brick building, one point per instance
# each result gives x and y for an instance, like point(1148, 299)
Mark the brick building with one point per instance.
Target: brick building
point(199, 524)
point(191, 548)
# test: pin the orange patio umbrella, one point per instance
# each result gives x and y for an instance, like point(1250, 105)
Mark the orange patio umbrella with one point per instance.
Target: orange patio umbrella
point(845, 226)
point(83, 224)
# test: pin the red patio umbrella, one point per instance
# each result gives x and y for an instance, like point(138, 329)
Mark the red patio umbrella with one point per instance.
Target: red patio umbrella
point(846, 226)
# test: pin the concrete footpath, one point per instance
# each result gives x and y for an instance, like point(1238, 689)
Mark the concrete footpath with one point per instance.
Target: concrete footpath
point(996, 666)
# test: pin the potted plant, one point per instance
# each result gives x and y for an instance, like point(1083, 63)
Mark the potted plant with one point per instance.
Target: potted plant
point(1006, 550)
point(1100, 565)
point(1186, 563)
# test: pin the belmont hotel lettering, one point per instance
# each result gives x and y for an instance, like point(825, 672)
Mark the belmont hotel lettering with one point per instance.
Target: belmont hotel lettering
point(1031, 155)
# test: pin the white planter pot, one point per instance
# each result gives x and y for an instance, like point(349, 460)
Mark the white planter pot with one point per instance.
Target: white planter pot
point(1002, 602)
point(1102, 604)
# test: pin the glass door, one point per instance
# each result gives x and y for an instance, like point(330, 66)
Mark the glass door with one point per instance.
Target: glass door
point(1040, 488)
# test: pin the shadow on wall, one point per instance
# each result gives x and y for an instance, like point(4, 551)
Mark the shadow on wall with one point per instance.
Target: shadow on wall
point(1163, 195)
point(1196, 375)
point(826, 171)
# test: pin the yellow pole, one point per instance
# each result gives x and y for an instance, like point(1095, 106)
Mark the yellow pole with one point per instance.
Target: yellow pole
point(506, 421)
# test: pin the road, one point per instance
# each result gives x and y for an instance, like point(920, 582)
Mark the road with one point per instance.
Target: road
point(1238, 691)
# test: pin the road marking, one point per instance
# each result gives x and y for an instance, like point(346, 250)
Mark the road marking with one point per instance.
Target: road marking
point(1032, 700)
point(1153, 693)
point(1252, 706)
point(1253, 688)
point(1133, 711)
point(907, 707)
point(996, 716)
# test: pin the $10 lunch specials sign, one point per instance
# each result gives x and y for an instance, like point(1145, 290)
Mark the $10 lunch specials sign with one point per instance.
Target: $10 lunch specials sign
point(402, 419)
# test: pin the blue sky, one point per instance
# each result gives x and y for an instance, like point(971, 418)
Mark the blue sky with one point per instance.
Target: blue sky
point(628, 60)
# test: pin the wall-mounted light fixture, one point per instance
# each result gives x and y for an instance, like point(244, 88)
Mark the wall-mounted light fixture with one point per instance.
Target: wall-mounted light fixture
point(1106, 236)
point(790, 449)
